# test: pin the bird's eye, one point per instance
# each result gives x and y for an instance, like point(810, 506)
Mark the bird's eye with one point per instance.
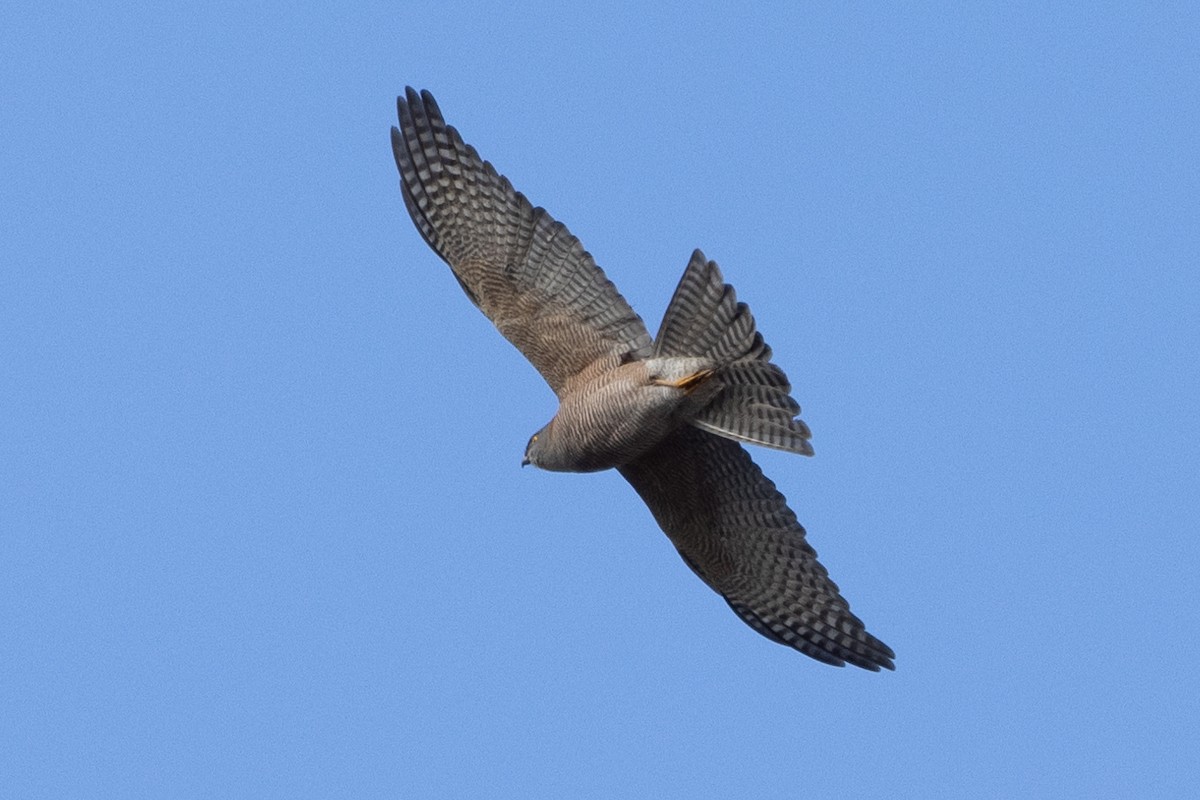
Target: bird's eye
point(534, 439)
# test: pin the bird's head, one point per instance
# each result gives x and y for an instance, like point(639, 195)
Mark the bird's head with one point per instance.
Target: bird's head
point(535, 448)
point(547, 450)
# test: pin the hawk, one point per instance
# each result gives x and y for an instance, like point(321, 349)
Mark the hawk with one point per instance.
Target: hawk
point(667, 412)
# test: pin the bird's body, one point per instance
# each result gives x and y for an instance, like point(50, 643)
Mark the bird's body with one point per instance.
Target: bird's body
point(619, 410)
point(668, 413)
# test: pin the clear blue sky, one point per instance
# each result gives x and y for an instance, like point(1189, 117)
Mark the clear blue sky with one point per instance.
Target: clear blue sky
point(263, 532)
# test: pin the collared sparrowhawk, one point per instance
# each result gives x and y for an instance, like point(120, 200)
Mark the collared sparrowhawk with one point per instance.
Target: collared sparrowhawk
point(668, 413)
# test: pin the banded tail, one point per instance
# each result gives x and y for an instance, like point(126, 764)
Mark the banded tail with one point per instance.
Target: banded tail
point(754, 404)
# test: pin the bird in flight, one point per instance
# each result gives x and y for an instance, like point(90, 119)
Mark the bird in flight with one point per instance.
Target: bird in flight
point(667, 412)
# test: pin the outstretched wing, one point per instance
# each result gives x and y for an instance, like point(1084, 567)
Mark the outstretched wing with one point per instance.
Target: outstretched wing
point(735, 530)
point(523, 269)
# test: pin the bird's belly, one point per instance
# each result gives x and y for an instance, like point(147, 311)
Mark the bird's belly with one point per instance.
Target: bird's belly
point(608, 429)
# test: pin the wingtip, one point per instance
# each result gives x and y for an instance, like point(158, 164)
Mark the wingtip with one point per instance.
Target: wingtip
point(398, 149)
point(882, 655)
point(405, 100)
point(875, 662)
point(419, 104)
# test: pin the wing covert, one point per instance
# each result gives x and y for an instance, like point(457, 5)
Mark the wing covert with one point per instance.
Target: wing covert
point(521, 267)
point(736, 532)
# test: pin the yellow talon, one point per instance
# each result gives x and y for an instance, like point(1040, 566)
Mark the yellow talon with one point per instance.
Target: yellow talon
point(689, 383)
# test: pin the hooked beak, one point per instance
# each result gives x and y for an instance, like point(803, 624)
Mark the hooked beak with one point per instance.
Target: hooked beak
point(525, 461)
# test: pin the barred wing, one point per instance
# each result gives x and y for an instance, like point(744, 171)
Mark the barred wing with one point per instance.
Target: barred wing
point(523, 269)
point(735, 530)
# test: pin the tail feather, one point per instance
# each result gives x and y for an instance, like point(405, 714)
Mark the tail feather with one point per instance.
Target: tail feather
point(702, 313)
point(745, 390)
point(757, 373)
point(704, 318)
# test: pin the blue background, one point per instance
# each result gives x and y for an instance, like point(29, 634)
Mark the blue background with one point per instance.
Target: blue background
point(262, 527)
